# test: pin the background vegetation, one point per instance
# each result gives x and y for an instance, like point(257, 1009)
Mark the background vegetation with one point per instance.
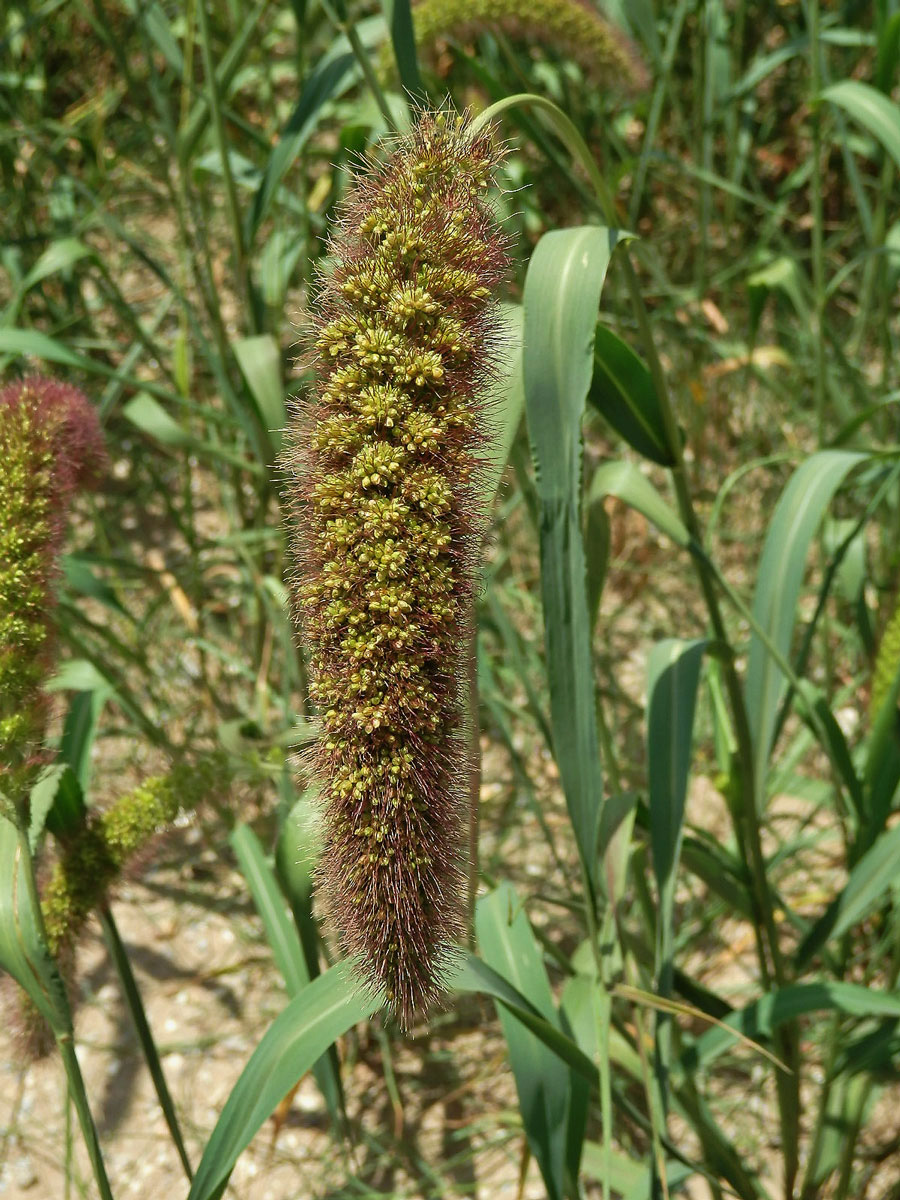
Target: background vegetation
point(687, 849)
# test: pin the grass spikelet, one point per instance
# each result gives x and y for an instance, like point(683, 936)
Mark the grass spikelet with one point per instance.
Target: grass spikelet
point(572, 27)
point(886, 664)
point(94, 858)
point(50, 446)
point(383, 463)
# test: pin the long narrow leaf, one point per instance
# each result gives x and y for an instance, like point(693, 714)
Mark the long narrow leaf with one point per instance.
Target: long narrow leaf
point(562, 293)
point(322, 1012)
point(548, 1101)
point(797, 517)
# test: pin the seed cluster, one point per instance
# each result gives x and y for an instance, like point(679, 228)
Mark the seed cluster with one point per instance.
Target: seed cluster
point(572, 27)
point(93, 858)
point(50, 445)
point(384, 464)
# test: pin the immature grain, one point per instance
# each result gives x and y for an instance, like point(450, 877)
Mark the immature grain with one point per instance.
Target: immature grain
point(388, 518)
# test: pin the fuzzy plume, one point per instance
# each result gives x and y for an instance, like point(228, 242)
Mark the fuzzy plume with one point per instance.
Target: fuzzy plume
point(573, 27)
point(383, 463)
point(50, 446)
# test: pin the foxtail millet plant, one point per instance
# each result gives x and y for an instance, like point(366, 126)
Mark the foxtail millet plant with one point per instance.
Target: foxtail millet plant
point(571, 27)
point(50, 446)
point(384, 465)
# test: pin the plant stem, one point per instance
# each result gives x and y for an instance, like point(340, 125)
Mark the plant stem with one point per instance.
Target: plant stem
point(145, 1036)
point(64, 1037)
point(345, 25)
point(241, 267)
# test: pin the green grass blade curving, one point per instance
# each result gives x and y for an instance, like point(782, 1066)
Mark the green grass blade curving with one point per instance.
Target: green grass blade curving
point(260, 361)
point(871, 109)
point(562, 294)
point(552, 1100)
point(322, 1012)
point(331, 77)
point(296, 855)
point(759, 1019)
point(23, 954)
point(673, 676)
point(624, 481)
point(869, 881)
point(284, 942)
point(622, 391)
point(470, 973)
point(796, 518)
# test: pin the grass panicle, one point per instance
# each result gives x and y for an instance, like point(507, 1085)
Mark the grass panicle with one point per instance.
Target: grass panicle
point(571, 27)
point(93, 859)
point(50, 446)
point(384, 467)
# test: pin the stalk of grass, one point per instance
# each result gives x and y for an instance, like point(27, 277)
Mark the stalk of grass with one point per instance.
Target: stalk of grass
point(65, 1038)
point(145, 1035)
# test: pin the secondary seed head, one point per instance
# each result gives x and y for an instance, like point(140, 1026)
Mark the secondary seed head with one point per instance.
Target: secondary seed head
point(50, 446)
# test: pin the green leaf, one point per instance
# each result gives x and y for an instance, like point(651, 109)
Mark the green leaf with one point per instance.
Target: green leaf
point(149, 416)
point(76, 675)
point(813, 700)
point(549, 1101)
point(469, 973)
point(780, 574)
point(398, 19)
point(888, 54)
point(82, 579)
point(322, 1012)
point(58, 256)
point(331, 77)
point(280, 932)
point(31, 343)
point(562, 294)
point(759, 1019)
point(23, 954)
point(624, 481)
point(673, 677)
point(57, 792)
point(296, 854)
point(622, 391)
point(872, 109)
point(875, 873)
point(284, 942)
point(260, 361)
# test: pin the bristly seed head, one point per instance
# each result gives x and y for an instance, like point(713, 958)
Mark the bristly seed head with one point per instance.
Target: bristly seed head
point(384, 463)
point(50, 446)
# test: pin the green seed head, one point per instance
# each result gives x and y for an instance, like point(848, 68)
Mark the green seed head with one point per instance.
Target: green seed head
point(383, 463)
point(50, 445)
point(573, 27)
point(93, 858)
